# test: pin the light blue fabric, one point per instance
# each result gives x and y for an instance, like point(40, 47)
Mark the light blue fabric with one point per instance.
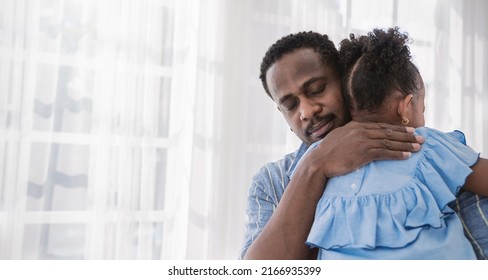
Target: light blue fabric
point(398, 209)
point(269, 183)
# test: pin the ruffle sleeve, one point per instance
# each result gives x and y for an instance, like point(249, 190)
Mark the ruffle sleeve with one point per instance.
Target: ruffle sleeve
point(396, 219)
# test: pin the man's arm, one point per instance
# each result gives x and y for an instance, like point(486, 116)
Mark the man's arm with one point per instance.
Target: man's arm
point(473, 209)
point(343, 150)
point(285, 233)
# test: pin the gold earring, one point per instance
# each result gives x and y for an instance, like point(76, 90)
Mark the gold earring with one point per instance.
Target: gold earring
point(405, 121)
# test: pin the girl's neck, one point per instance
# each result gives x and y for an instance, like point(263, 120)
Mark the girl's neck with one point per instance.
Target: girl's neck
point(377, 117)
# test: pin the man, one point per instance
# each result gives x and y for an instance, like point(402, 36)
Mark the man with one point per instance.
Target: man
point(300, 72)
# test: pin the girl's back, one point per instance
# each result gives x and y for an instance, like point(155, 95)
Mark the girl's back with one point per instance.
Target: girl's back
point(398, 209)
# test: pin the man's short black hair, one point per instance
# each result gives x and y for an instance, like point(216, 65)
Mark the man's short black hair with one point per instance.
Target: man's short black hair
point(320, 43)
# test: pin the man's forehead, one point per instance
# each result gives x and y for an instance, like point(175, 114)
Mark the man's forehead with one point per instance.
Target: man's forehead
point(294, 69)
point(301, 58)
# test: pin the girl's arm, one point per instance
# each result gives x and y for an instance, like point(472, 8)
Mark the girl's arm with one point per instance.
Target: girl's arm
point(477, 182)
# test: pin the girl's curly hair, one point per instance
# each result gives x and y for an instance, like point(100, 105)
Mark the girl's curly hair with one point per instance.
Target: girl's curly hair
point(373, 65)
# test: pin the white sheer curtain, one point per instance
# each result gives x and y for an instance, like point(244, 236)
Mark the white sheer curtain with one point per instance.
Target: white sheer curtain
point(85, 90)
point(131, 129)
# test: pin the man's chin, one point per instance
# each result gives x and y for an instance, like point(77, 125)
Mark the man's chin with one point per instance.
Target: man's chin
point(320, 137)
point(310, 140)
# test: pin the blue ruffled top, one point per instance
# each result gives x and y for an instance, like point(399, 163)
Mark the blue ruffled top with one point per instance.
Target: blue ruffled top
point(398, 209)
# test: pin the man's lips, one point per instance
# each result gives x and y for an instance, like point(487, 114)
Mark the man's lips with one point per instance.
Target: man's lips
point(319, 129)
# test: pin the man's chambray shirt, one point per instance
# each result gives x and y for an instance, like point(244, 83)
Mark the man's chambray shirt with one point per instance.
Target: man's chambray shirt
point(270, 182)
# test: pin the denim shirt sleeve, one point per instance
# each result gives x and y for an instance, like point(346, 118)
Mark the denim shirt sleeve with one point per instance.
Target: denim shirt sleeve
point(261, 203)
point(265, 192)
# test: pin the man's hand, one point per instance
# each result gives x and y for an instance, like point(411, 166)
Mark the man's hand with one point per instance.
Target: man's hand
point(349, 147)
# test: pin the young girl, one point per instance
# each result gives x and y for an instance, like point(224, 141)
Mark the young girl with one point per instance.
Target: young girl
point(395, 209)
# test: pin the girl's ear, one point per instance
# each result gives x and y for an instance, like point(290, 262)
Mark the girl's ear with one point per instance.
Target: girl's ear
point(404, 106)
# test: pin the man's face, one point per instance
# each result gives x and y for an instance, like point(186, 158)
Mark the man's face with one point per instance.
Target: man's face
point(308, 94)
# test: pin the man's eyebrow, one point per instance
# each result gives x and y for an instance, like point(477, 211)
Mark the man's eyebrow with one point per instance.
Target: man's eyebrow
point(302, 87)
point(311, 81)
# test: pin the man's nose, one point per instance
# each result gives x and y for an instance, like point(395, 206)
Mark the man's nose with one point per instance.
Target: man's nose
point(308, 109)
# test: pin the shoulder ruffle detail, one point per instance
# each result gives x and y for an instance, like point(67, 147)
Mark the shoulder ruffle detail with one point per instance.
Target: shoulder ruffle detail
point(445, 164)
point(396, 219)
